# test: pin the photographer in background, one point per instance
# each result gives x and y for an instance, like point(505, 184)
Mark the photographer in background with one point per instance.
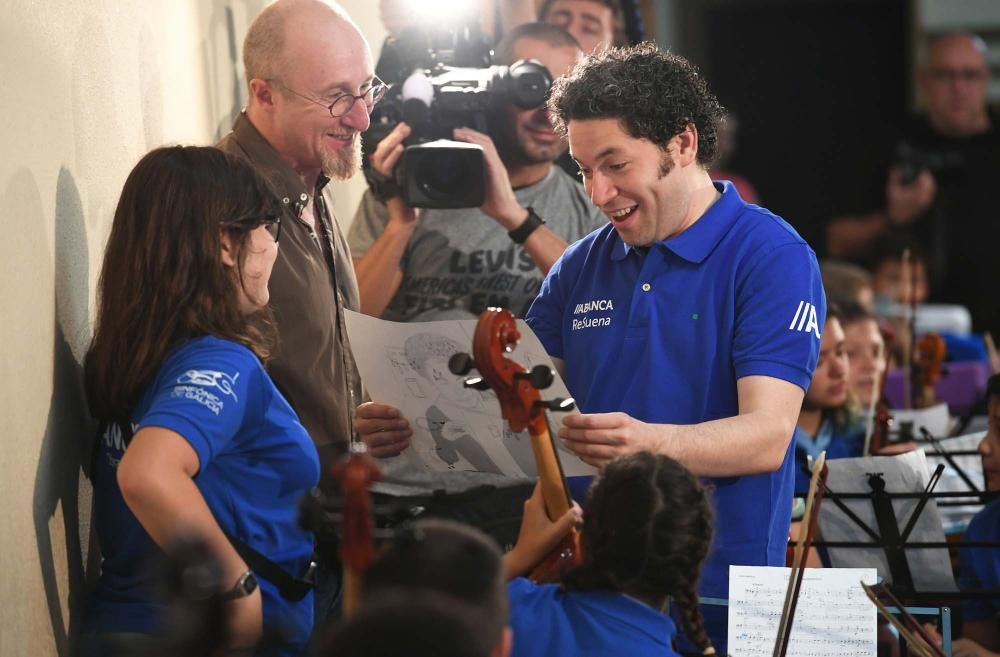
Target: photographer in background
point(939, 191)
point(423, 265)
point(595, 24)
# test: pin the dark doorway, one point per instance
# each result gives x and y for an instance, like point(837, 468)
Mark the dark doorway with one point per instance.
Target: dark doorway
point(819, 86)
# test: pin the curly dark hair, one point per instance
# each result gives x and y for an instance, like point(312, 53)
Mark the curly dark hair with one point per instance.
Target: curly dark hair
point(646, 533)
point(653, 93)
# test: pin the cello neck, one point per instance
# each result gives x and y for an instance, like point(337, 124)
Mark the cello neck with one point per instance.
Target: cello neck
point(555, 492)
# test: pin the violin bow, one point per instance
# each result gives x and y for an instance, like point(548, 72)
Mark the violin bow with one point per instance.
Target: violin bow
point(817, 486)
point(991, 352)
point(870, 414)
point(916, 637)
point(909, 318)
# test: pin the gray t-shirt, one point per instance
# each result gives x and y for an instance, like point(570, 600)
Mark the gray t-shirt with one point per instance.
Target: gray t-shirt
point(459, 262)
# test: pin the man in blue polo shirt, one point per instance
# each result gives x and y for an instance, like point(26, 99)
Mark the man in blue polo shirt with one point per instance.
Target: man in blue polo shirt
point(690, 325)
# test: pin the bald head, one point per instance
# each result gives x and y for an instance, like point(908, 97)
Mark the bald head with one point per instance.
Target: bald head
point(301, 58)
point(954, 81)
point(279, 26)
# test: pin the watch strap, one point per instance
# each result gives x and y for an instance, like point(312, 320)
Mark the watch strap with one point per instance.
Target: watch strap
point(244, 586)
point(521, 233)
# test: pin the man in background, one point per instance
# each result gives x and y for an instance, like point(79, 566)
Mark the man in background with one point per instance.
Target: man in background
point(595, 24)
point(939, 191)
point(433, 264)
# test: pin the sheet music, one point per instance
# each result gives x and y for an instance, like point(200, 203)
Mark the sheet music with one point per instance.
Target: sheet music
point(458, 432)
point(833, 617)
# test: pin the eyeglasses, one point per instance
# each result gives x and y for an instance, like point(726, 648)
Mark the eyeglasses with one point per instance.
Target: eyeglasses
point(273, 228)
point(344, 103)
point(271, 224)
point(958, 75)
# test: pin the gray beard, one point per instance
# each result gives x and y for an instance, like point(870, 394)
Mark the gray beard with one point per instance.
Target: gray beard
point(343, 164)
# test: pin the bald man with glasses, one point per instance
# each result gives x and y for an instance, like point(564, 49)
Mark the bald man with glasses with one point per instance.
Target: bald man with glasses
point(312, 86)
point(938, 192)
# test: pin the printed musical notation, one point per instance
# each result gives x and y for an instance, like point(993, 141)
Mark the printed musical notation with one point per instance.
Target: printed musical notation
point(834, 617)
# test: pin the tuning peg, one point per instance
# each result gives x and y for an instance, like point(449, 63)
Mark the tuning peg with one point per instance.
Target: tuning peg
point(460, 364)
point(557, 404)
point(477, 383)
point(540, 377)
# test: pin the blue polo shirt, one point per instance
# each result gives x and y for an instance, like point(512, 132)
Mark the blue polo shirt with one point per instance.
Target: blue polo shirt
point(665, 335)
point(255, 461)
point(550, 622)
point(839, 442)
point(981, 566)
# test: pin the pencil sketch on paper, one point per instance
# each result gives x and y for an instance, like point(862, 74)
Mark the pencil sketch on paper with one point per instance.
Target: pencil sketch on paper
point(454, 428)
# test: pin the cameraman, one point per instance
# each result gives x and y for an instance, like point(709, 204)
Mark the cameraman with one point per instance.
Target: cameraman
point(939, 191)
point(424, 265)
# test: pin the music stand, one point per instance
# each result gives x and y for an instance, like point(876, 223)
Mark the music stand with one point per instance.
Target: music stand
point(889, 545)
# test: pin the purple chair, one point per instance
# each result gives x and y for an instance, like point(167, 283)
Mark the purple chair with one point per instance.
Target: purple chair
point(962, 386)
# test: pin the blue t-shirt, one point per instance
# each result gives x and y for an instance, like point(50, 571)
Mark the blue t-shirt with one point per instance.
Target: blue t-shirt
point(980, 567)
point(255, 462)
point(665, 336)
point(549, 622)
point(838, 442)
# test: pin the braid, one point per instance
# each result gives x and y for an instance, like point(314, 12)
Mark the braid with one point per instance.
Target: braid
point(692, 623)
point(646, 533)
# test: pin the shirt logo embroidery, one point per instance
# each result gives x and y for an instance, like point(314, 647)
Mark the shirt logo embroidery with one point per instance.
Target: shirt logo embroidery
point(805, 319)
point(590, 306)
point(596, 304)
point(193, 383)
point(211, 379)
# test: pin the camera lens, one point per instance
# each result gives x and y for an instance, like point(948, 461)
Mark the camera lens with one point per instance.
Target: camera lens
point(446, 177)
point(529, 83)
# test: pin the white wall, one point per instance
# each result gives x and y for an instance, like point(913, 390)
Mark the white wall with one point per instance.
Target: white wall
point(86, 87)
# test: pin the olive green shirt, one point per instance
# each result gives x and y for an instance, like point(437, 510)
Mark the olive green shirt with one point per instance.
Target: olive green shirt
point(311, 284)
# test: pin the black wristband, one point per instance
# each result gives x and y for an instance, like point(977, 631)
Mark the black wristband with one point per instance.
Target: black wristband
point(521, 233)
point(383, 187)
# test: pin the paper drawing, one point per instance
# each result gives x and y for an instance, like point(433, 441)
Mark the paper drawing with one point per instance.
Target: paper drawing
point(454, 428)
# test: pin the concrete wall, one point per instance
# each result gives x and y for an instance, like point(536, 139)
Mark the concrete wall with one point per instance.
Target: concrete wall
point(86, 87)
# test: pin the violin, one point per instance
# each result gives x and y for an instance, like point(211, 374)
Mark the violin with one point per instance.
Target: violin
point(880, 429)
point(817, 487)
point(522, 407)
point(928, 357)
point(877, 433)
point(357, 541)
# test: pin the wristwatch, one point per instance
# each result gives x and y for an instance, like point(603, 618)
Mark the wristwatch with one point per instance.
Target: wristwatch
point(245, 585)
point(521, 233)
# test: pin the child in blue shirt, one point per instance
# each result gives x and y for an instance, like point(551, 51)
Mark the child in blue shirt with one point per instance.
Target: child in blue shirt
point(825, 422)
point(980, 567)
point(197, 439)
point(644, 537)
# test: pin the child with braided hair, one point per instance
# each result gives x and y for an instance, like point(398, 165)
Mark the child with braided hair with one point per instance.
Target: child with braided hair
point(645, 535)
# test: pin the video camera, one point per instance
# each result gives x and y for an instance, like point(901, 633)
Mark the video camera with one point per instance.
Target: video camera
point(911, 160)
point(441, 80)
